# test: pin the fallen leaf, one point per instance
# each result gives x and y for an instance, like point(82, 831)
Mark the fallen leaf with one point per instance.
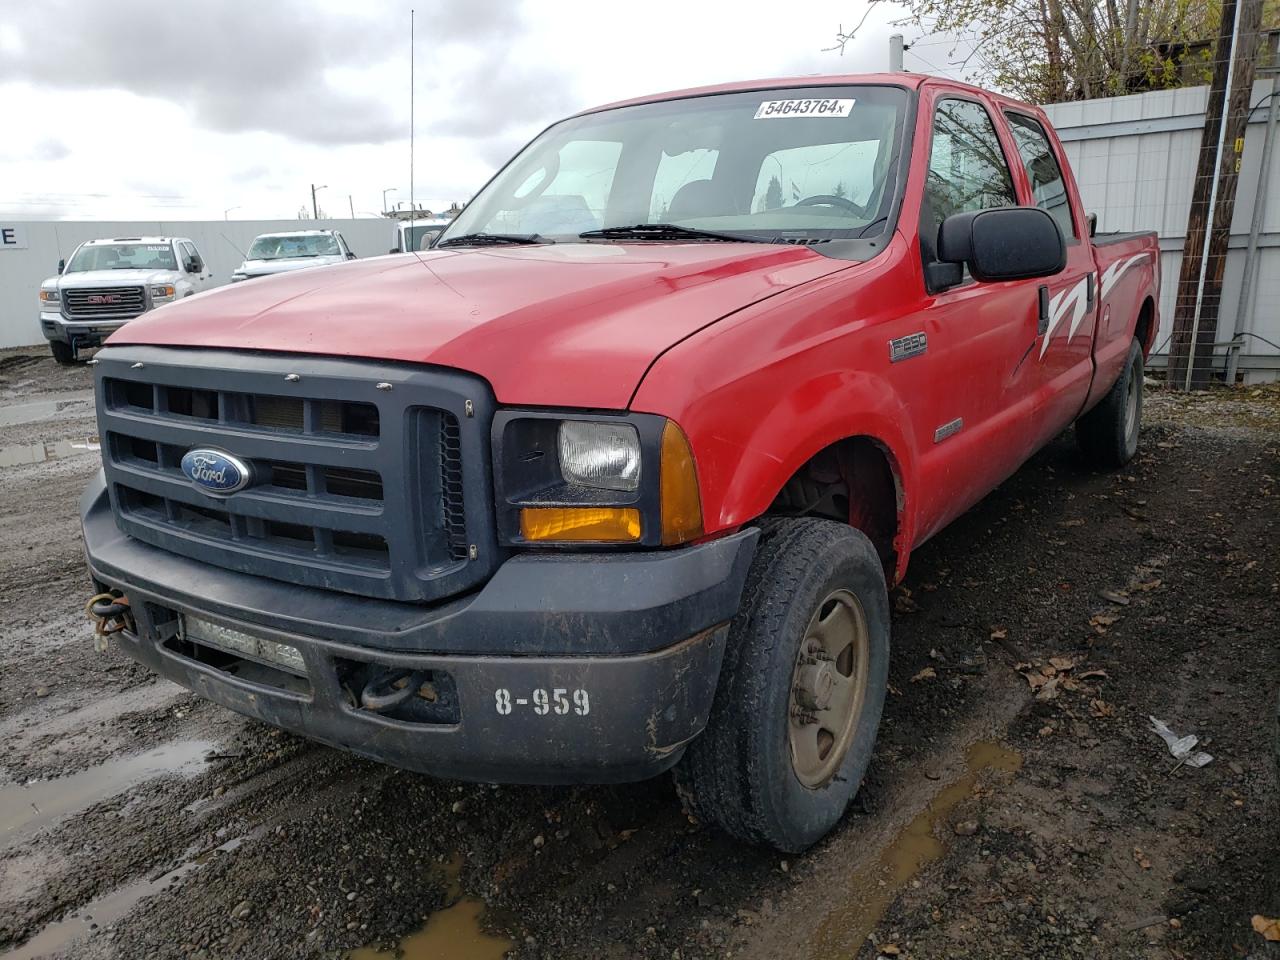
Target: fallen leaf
point(904, 604)
point(1147, 585)
point(1000, 634)
point(1102, 620)
point(1070, 683)
point(928, 673)
point(1115, 596)
point(1267, 926)
point(1049, 691)
point(1140, 859)
point(1091, 673)
point(894, 690)
point(1100, 708)
point(889, 949)
point(1062, 663)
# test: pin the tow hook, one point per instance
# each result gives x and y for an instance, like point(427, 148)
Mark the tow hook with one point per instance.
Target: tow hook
point(110, 614)
point(393, 687)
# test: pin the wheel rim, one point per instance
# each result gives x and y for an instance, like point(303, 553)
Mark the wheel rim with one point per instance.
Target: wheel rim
point(1131, 402)
point(828, 686)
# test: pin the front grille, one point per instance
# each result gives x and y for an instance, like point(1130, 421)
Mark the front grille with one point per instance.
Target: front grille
point(113, 302)
point(356, 487)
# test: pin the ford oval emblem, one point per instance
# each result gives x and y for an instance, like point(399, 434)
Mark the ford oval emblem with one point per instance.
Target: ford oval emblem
point(216, 472)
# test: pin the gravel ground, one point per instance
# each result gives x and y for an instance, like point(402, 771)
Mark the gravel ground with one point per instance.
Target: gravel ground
point(1018, 804)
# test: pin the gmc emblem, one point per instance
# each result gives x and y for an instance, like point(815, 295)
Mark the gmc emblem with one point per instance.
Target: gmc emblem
point(104, 298)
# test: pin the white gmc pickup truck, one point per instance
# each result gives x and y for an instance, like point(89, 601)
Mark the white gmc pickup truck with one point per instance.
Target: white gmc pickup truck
point(107, 283)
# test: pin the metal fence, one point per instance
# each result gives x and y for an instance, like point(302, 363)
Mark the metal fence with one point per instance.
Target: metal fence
point(1135, 158)
point(221, 243)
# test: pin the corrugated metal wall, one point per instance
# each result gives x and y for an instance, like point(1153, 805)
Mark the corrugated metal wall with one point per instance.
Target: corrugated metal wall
point(1135, 159)
point(220, 242)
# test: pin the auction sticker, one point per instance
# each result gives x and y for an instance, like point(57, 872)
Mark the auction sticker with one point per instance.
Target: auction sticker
point(772, 109)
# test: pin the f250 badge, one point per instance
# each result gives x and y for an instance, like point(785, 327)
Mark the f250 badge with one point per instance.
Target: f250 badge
point(216, 472)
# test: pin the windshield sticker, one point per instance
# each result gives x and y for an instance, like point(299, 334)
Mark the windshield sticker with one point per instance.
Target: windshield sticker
point(772, 109)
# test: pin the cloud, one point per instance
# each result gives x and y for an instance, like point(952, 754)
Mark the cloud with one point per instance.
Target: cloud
point(234, 65)
point(49, 149)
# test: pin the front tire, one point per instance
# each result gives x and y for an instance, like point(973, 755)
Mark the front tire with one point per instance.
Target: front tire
point(1108, 434)
point(801, 690)
point(62, 353)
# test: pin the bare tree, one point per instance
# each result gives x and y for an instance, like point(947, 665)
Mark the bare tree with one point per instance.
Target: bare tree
point(1052, 50)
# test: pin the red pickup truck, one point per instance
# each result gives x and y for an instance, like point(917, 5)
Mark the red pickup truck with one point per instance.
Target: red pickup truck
point(614, 478)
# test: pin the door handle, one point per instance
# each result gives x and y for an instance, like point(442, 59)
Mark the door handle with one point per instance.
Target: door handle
point(1042, 325)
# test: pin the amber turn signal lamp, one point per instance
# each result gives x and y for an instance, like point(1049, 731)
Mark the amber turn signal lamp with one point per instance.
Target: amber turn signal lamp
point(681, 504)
point(580, 524)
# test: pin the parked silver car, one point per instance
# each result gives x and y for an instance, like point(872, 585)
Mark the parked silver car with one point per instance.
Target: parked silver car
point(273, 253)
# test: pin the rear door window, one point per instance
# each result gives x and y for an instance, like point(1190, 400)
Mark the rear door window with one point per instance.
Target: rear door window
point(1048, 186)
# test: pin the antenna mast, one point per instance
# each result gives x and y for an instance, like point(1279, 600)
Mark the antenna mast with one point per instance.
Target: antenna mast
point(412, 202)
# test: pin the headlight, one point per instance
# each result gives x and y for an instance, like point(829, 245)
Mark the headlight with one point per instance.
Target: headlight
point(601, 455)
point(611, 479)
point(49, 296)
point(163, 291)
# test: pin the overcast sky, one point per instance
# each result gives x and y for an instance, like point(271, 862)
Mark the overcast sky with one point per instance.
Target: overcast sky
point(130, 109)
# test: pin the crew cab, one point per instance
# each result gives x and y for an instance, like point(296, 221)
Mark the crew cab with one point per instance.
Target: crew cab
point(614, 479)
point(272, 253)
point(107, 283)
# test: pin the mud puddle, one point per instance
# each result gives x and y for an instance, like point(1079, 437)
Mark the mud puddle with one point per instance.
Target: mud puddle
point(843, 930)
point(20, 454)
point(453, 931)
point(20, 413)
point(25, 808)
point(107, 910)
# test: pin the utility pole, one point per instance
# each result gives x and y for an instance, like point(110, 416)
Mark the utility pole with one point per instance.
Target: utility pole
point(896, 47)
point(1244, 309)
point(1204, 252)
point(351, 203)
point(315, 208)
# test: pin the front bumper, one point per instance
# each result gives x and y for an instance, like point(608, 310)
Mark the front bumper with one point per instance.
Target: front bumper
point(77, 334)
point(643, 634)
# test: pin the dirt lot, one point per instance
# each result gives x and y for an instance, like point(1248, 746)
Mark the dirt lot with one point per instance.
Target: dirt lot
point(1018, 804)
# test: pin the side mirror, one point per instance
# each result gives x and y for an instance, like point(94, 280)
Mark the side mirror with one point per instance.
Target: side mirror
point(1006, 243)
point(194, 265)
point(350, 255)
point(1093, 224)
point(394, 250)
point(62, 265)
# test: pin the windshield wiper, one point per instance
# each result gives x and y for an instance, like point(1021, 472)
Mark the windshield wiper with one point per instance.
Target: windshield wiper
point(492, 239)
point(663, 231)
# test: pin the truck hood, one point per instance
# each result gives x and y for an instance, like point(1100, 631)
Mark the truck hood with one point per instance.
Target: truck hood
point(572, 324)
point(264, 268)
point(114, 278)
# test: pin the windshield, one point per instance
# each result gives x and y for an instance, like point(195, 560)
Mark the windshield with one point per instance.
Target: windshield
point(794, 164)
point(280, 248)
point(123, 256)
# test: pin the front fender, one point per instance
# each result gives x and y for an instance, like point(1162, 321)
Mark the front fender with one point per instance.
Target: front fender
point(749, 440)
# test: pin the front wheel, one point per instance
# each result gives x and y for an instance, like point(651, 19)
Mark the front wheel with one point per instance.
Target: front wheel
point(801, 690)
point(1108, 434)
point(62, 353)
